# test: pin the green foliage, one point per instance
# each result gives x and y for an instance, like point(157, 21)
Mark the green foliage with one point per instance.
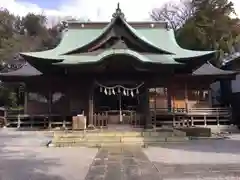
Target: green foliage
point(20, 34)
point(34, 24)
point(209, 24)
point(8, 97)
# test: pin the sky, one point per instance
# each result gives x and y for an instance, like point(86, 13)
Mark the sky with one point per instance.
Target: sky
point(95, 10)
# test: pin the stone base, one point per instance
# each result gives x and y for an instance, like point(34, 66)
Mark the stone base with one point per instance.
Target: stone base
point(118, 136)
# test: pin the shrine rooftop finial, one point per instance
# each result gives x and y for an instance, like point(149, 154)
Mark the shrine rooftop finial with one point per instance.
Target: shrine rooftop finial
point(118, 12)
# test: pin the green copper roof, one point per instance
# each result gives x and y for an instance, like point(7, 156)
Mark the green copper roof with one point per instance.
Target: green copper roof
point(79, 37)
point(147, 58)
point(71, 39)
point(208, 69)
point(166, 38)
point(161, 39)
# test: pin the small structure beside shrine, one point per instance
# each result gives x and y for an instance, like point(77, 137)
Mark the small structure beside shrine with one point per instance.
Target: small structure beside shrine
point(118, 72)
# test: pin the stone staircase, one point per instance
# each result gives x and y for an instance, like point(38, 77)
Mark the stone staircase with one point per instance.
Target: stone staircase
point(98, 138)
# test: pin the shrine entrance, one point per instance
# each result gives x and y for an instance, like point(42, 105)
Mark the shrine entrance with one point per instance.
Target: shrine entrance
point(119, 102)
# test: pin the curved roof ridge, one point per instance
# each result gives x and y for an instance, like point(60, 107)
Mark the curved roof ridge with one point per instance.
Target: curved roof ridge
point(109, 26)
point(73, 59)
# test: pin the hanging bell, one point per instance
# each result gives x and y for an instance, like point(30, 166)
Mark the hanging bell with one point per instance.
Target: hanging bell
point(124, 92)
point(132, 93)
point(113, 92)
point(105, 91)
point(137, 92)
point(101, 89)
point(119, 90)
point(110, 92)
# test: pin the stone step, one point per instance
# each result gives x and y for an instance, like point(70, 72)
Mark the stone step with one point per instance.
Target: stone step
point(119, 134)
point(110, 141)
point(102, 137)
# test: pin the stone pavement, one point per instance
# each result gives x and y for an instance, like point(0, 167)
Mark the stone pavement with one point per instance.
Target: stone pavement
point(22, 157)
point(203, 159)
point(122, 163)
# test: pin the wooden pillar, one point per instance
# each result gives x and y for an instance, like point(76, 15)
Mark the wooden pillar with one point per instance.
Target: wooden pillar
point(155, 107)
point(25, 101)
point(210, 97)
point(173, 98)
point(169, 99)
point(172, 103)
point(90, 106)
point(186, 103)
point(50, 108)
point(186, 96)
point(146, 107)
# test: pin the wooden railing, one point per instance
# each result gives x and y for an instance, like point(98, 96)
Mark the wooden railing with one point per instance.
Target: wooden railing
point(171, 117)
point(209, 116)
point(100, 119)
point(191, 117)
point(38, 120)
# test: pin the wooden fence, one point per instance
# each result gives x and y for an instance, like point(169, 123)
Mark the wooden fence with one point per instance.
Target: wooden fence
point(191, 117)
point(170, 117)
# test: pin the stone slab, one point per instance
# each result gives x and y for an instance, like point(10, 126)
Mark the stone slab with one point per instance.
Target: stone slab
point(123, 162)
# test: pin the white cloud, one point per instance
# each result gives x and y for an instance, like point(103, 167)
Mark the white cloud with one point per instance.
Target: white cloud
point(92, 9)
point(95, 10)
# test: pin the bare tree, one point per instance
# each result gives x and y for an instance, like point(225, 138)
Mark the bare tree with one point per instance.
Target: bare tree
point(176, 14)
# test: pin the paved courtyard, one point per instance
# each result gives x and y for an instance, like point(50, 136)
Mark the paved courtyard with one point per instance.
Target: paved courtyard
point(23, 157)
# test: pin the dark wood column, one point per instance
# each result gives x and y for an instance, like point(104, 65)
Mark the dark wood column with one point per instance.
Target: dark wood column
point(147, 116)
point(186, 95)
point(26, 101)
point(91, 105)
point(50, 107)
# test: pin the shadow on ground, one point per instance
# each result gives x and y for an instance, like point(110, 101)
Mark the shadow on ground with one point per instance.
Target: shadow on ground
point(23, 164)
point(196, 171)
point(229, 146)
point(17, 166)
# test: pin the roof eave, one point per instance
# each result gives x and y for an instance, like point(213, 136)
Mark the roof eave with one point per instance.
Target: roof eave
point(114, 52)
point(208, 69)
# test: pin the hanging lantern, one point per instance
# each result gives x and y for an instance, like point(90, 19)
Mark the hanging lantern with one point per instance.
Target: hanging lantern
point(124, 92)
point(132, 93)
point(137, 92)
point(119, 90)
point(113, 92)
point(109, 92)
point(105, 91)
point(101, 89)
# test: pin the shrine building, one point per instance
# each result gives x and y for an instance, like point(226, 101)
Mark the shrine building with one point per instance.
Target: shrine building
point(116, 72)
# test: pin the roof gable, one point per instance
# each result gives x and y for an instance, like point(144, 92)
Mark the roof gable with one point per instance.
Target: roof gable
point(154, 35)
